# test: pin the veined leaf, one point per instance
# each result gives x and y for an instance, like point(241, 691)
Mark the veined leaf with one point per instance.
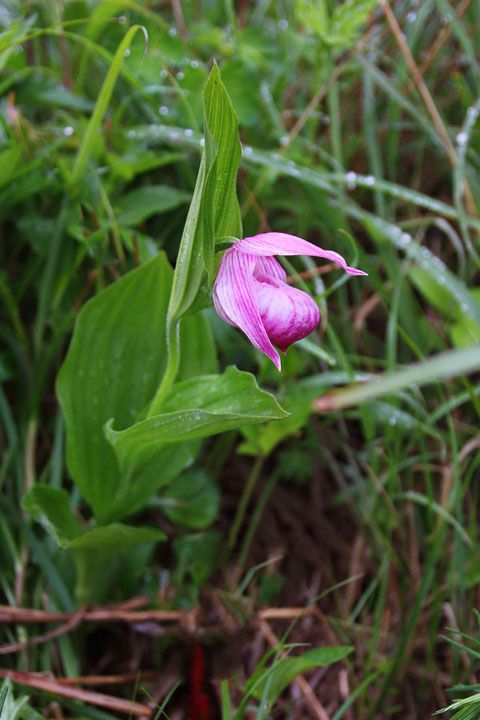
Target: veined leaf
point(214, 210)
point(113, 367)
point(193, 409)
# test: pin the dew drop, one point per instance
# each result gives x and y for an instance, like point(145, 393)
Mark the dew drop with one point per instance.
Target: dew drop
point(172, 32)
point(284, 140)
point(202, 141)
point(68, 130)
point(283, 23)
point(163, 110)
point(369, 180)
point(247, 150)
point(462, 138)
point(188, 132)
point(194, 64)
point(180, 75)
point(127, 52)
point(392, 420)
point(351, 180)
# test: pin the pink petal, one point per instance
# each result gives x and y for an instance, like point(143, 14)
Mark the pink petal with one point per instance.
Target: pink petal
point(274, 243)
point(234, 299)
point(288, 314)
point(269, 267)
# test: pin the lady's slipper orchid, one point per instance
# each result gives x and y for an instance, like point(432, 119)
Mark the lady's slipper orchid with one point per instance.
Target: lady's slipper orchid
point(251, 293)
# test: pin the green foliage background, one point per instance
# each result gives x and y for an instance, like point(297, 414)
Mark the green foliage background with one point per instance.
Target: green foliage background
point(99, 153)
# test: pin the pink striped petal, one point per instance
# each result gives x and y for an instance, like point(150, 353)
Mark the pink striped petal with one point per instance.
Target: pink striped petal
point(274, 243)
point(269, 267)
point(234, 300)
point(288, 314)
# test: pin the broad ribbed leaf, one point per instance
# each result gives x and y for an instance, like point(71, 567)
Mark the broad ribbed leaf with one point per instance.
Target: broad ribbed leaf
point(111, 539)
point(222, 124)
point(113, 368)
point(214, 210)
point(196, 408)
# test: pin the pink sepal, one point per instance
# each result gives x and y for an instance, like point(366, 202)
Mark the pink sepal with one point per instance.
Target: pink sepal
point(275, 243)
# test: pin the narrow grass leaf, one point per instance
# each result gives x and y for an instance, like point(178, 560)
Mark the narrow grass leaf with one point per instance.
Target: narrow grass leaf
point(448, 364)
point(89, 140)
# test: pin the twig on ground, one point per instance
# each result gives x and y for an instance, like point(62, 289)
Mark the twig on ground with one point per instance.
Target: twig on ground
point(71, 623)
point(87, 696)
point(14, 614)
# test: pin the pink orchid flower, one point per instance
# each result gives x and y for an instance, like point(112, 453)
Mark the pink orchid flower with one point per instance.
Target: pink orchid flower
point(251, 293)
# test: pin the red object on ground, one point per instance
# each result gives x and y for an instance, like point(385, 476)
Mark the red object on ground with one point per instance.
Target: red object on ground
point(198, 701)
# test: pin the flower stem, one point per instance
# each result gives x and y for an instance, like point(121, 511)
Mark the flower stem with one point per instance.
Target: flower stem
point(173, 345)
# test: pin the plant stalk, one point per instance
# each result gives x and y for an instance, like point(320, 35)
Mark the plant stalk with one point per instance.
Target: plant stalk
point(173, 345)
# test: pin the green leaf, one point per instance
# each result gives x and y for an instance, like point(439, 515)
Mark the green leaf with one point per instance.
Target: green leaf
point(86, 148)
point(214, 211)
point(273, 683)
point(9, 160)
point(92, 550)
point(11, 709)
point(195, 408)
point(6, 685)
point(347, 20)
point(142, 477)
point(433, 291)
point(110, 539)
point(51, 507)
point(197, 347)
point(233, 393)
point(139, 204)
point(465, 331)
point(297, 400)
point(450, 363)
point(114, 364)
point(116, 360)
point(222, 124)
point(192, 499)
point(342, 28)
